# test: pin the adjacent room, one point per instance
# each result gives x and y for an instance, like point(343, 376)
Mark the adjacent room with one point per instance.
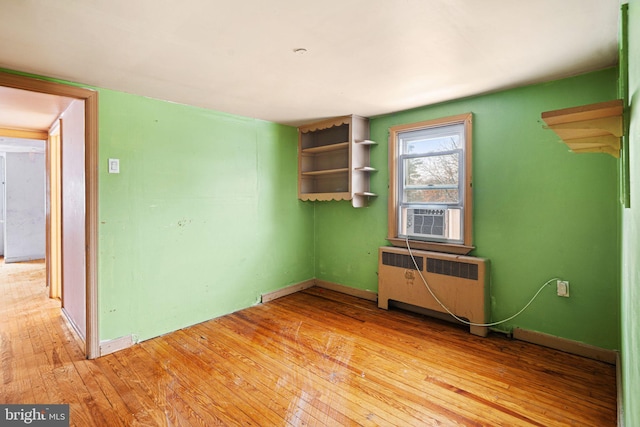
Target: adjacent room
point(339, 213)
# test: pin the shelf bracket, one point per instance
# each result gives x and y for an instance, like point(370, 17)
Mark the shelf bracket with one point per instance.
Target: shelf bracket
point(594, 128)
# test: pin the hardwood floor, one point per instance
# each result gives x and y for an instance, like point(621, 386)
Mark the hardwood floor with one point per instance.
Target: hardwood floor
point(313, 358)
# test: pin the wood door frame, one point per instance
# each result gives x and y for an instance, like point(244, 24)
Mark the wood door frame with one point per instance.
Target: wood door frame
point(90, 98)
point(54, 152)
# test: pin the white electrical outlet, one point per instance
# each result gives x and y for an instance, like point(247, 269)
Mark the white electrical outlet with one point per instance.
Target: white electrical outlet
point(562, 288)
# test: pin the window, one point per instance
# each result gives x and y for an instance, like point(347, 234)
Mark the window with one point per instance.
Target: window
point(430, 184)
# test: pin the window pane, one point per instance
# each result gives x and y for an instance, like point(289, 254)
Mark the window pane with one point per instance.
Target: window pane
point(431, 196)
point(432, 170)
point(418, 142)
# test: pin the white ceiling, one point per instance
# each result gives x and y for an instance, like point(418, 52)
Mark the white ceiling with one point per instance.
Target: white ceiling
point(367, 57)
point(21, 109)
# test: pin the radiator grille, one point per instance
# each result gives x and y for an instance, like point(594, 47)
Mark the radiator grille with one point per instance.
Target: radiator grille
point(452, 268)
point(402, 261)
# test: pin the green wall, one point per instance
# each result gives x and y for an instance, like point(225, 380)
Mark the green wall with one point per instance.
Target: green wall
point(539, 212)
point(630, 299)
point(202, 219)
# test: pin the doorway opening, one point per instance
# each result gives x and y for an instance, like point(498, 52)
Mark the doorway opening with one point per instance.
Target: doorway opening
point(84, 149)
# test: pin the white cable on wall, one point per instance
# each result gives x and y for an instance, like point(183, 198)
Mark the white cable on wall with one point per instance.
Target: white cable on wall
point(466, 322)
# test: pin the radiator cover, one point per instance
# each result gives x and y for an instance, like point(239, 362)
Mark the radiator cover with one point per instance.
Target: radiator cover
point(460, 282)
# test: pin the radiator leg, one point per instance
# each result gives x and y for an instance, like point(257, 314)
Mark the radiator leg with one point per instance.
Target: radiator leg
point(481, 331)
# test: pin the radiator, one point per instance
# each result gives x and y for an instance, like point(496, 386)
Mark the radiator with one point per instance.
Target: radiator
point(460, 282)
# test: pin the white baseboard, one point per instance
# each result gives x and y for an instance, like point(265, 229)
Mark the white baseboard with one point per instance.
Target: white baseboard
point(569, 346)
point(368, 295)
point(288, 290)
point(37, 257)
point(116, 344)
point(620, 394)
point(72, 325)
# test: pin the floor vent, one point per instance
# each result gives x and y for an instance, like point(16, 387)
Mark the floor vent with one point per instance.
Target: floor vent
point(402, 261)
point(452, 268)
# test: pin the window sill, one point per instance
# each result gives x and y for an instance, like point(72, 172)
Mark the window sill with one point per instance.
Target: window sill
point(432, 246)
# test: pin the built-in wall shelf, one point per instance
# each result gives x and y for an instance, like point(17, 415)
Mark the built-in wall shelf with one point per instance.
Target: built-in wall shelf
point(326, 148)
point(326, 172)
point(333, 160)
point(594, 128)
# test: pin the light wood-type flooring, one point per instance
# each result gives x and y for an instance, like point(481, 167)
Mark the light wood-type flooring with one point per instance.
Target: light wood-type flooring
point(312, 358)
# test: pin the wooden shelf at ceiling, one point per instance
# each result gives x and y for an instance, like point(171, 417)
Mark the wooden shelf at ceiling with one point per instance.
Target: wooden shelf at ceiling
point(594, 128)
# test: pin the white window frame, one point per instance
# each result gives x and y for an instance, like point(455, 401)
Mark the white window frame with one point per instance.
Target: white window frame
point(397, 235)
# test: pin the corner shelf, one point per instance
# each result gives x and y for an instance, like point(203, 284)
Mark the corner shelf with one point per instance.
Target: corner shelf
point(333, 160)
point(594, 128)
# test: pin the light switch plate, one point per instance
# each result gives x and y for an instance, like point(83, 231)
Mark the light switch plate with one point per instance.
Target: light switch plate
point(114, 165)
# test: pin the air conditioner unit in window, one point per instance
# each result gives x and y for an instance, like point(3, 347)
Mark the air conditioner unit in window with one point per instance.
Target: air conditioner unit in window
point(427, 222)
